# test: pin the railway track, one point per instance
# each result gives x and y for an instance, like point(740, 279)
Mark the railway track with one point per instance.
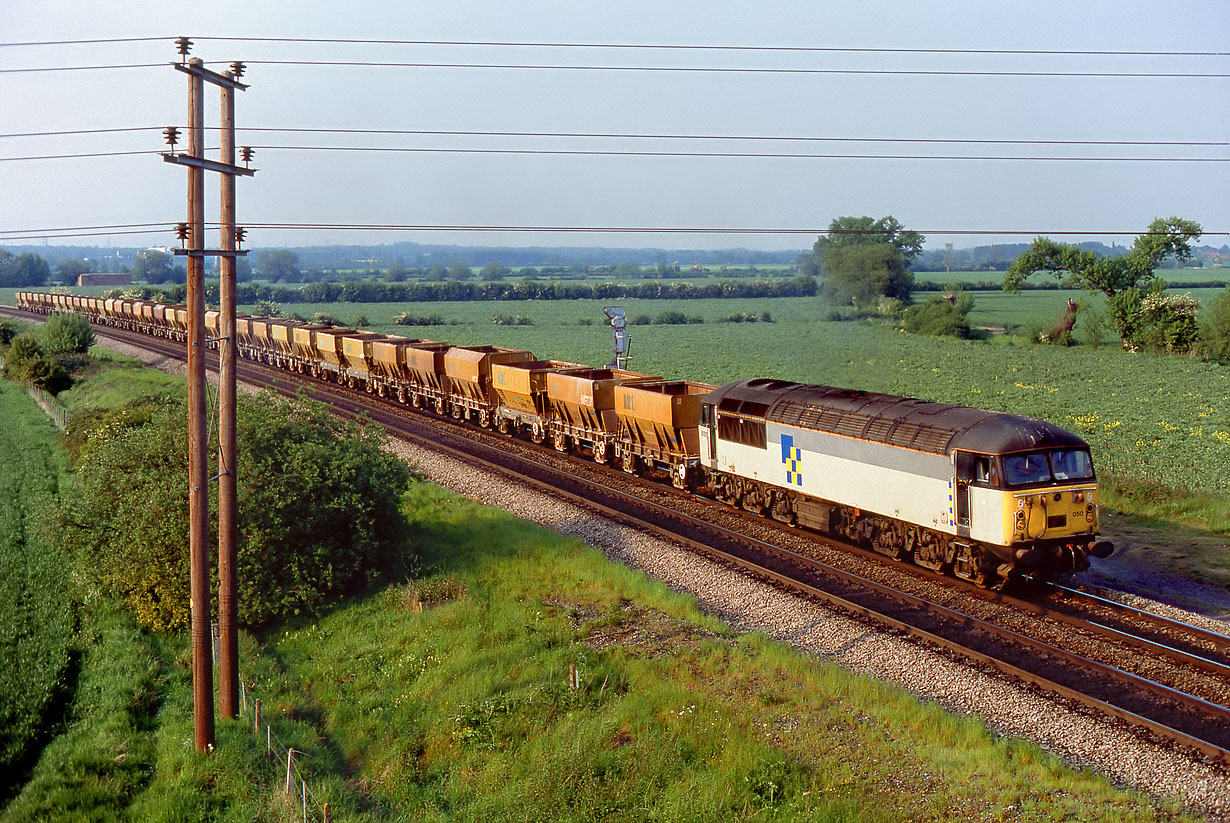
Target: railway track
point(1159, 675)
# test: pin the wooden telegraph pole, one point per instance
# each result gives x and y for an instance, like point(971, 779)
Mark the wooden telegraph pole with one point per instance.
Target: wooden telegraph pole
point(198, 455)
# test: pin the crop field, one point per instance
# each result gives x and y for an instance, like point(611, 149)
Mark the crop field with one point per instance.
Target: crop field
point(1159, 420)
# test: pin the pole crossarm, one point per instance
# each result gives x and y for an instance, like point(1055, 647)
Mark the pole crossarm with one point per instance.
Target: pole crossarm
point(207, 165)
point(210, 76)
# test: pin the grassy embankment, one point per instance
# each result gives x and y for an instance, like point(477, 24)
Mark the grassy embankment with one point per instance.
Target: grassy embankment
point(460, 709)
point(36, 619)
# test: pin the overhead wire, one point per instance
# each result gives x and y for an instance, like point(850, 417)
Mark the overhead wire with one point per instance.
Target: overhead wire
point(642, 136)
point(6, 235)
point(738, 69)
point(636, 46)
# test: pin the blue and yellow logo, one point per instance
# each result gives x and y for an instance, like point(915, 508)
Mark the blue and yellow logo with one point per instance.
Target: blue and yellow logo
point(792, 456)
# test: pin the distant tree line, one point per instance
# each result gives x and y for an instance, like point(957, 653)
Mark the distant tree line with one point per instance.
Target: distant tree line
point(366, 291)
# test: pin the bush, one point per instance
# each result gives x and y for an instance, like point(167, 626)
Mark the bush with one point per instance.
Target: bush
point(67, 334)
point(9, 329)
point(940, 317)
point(1215, 326)
point(27, 362)
point(405, 319)
point(1156, 321)
point(319, 512)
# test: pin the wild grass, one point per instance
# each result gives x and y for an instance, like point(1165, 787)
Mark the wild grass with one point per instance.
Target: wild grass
point(464, 711)
point(36, 615)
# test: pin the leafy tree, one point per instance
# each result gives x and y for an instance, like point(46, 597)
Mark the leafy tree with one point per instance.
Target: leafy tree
point(863, 258)
point(277, 265)
point(153, 266)
point(460, 271)
point(1215, 325)
point(319, 516)
point(1126, 279)
point(67, 271)
point(495, 271)
point(23, 270)
point(437, 273)
point(398, 272)
point(68, 334)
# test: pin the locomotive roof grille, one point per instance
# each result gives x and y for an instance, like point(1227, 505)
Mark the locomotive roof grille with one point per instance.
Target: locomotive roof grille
point(904, 422)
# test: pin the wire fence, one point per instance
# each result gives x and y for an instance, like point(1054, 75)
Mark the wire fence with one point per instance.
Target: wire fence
point(294, 786)
point(57, 413)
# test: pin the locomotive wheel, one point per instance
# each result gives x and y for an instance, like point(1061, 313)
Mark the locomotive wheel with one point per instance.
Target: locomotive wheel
point(752, 499)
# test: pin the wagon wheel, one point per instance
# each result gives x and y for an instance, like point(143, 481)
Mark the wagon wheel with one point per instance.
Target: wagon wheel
point(439, 405)
point(680, 476)
point(537, 432)
point(600, 451)
point(484, 418)
point(501, 425)
point(458, 412)
point(560, 441)
point(629, 462)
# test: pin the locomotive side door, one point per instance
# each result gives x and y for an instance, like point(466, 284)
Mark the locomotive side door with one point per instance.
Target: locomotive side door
point(965, 464)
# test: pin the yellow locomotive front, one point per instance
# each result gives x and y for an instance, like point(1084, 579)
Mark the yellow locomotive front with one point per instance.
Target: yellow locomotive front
point(1036, 509)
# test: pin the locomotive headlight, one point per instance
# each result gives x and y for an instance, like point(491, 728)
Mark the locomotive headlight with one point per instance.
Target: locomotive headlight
point(1090, 513)
point(1078, 497)
point(1020, 521)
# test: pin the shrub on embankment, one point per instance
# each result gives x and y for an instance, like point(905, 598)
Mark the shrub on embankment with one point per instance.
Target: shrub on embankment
point(319, 516)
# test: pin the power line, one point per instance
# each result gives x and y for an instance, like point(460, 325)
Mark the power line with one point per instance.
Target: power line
point(734, 70)
point(83, 131)
point(151, 228)
point(648, 136)
point(700, 47)
point(753, 155)
point(84, 68)
point(84, 42)
point(79, 155)
point(674, 154)
point(672, 69)
point(638, 46)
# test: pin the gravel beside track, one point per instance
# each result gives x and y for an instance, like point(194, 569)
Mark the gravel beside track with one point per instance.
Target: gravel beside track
point(747, 604)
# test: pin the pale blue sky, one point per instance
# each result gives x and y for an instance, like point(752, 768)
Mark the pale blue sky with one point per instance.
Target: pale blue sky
point(504, 189)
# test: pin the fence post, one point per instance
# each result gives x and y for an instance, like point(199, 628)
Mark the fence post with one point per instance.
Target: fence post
point(256, 718)
point(574, 681)
point(303, 790)
point(290, 765)
point(326, 811)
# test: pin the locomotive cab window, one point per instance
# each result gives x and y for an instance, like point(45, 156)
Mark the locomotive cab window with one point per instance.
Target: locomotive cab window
point(980, 469)
point(1027, 469)
point(1071, 464)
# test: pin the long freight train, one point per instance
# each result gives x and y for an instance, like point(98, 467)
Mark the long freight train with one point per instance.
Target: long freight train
point(983, 495)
